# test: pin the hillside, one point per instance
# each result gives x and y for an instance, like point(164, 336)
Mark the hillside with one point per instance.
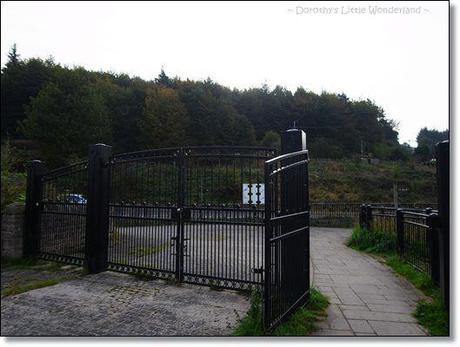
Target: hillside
point(356, 181)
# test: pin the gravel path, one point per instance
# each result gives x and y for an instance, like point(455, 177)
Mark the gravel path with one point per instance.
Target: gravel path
point(114, 304)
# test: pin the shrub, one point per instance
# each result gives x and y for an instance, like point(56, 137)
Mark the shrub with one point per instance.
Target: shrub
point(372, 241)
point(13, 183)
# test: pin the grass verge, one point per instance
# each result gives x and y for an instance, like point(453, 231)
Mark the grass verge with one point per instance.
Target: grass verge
point(19, 263)
point(14, 288)
point(301, 323)
point(429, 314)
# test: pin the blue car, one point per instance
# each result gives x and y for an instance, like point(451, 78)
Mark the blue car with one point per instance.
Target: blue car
point(76, 199)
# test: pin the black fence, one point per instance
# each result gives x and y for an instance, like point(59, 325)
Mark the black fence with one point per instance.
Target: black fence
point(346, 214)
point(422, 234)
point(415, 233)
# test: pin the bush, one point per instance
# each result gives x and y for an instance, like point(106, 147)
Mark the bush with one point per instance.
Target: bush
point(301, 323)
point(13, 183)
point(372, 241)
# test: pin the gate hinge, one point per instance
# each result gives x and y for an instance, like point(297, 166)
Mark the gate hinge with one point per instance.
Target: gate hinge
point(258, 270)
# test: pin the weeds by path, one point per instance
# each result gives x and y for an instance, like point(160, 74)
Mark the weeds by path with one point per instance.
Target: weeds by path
point(21, 275)
point(429, 314)
point(301, 323)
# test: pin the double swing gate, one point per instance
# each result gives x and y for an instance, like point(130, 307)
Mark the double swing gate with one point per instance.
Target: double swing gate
point(229, 217)
point(178, 213)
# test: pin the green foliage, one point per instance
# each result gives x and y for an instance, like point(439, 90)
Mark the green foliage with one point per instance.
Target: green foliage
point(419, 279)
point(301, 323)
point(392, 152)
point(165, 119)
point(357, 181)
point(66, 116)
point(430, 314)
point(426, 141)
point(271, 139)
point(141, 251)
point(372, 241)
point(252, 323)
point(13, 183)
point(19, 263)
point(433, 316)
point(17, 289)
point(62, 110)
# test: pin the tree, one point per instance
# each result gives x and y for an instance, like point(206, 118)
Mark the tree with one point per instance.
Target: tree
point(65, 117)
point(426, 142)
point(271, 139)
point(21, 80)
point(165, 118)
point(13, 56)
point(142, 113)
point(163, 79)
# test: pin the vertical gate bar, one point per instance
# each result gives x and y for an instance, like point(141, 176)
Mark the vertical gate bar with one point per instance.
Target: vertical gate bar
point(97, 213)
point(267, 247)
point(180, 222)
point(31, 240)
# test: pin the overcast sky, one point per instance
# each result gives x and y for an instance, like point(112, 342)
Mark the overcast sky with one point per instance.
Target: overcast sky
point(398, 60)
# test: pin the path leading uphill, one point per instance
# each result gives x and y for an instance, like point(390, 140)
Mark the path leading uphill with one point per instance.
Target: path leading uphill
point(367, 297)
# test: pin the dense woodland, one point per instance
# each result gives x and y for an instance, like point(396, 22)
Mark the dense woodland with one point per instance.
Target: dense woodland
point(53, 112)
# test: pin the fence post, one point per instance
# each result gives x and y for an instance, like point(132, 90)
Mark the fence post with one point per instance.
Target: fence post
point(97, 210)
point(443, 177)
point(432, 223)
point(368, 217)
point(362, 216)
point(31, 240)
point(400, 231)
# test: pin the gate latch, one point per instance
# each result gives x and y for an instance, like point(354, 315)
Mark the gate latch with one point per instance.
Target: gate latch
point(259, 270)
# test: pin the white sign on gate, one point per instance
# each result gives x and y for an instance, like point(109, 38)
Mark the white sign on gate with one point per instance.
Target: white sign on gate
point(253, 193)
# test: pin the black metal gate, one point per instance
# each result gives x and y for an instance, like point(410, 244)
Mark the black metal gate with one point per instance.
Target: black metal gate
point(287, 236)
point(223, 216)
point(56, 213)
point(178, 213)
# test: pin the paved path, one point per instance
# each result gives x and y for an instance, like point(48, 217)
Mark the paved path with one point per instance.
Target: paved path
point(113, 304)
point(367, 297)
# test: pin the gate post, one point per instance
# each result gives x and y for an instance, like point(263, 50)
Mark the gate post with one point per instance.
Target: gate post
point(400, 231)
point(443, 176)
point(97, 210)
point(293, 140)
point(368, 217)
point(432, 223)
point(180, 213)
point(362, 216)
point(31, 239)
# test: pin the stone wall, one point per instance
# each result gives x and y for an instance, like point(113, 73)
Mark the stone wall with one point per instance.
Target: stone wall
point(13, 230)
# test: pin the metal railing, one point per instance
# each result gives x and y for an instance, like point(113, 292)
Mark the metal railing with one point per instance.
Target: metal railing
point(346, 214)
point(415, 230)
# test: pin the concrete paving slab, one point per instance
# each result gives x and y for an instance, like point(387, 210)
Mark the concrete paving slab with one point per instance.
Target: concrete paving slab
point(372, 299)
